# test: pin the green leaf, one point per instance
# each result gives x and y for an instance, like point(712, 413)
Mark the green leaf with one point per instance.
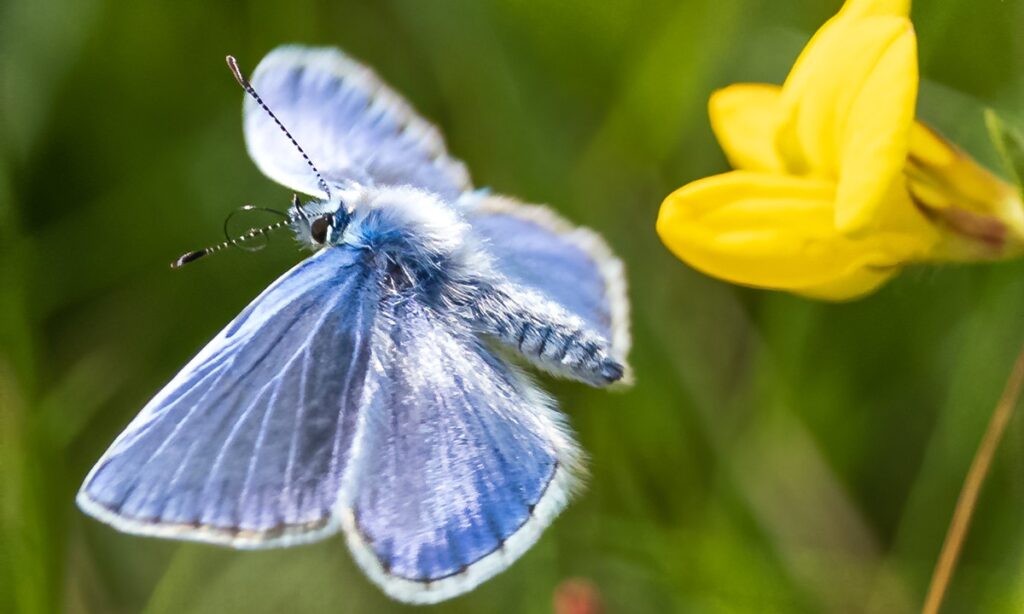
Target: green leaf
point(1010, 145)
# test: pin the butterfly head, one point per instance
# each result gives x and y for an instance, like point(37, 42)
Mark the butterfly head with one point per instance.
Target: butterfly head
point(319, 223)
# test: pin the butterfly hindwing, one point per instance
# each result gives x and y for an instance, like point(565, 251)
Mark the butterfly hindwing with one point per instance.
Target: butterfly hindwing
point(352, 125)
point(570, 265)
point(462, 461)
point(247, 445)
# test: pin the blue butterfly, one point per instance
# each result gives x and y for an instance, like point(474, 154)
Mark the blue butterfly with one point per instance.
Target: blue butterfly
point(373, 388)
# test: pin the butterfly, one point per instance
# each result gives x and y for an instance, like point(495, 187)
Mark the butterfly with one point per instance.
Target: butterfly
point(377, 387)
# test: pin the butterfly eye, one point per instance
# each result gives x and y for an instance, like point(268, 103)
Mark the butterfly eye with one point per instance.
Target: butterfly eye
point(318, 229)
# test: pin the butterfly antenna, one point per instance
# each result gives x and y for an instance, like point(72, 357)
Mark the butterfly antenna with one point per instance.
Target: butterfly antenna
point(239, 241)
point(233, 65)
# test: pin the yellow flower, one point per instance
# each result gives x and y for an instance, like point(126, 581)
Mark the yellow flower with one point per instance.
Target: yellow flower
point(837, 186)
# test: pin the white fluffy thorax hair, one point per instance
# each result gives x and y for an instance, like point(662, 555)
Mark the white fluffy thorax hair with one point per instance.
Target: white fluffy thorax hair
point(415, 229)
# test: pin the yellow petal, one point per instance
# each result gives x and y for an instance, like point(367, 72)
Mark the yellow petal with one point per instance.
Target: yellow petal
point(945, 176)
point(982, 216)
point(929, 147)
point(827, 83)
point(857, 283)
point(773, 231)
point(744, 117)
point(875, 133)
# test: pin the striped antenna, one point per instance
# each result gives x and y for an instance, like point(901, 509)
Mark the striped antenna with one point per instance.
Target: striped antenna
point(239, 241)
point(233, 65)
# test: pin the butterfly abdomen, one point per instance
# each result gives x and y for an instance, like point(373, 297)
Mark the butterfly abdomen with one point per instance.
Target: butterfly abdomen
point(574, 349)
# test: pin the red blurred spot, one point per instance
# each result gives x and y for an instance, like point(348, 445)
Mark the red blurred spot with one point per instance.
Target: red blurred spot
point(578, 596)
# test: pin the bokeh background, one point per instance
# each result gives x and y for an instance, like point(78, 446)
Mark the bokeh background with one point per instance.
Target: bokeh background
point(776, 455)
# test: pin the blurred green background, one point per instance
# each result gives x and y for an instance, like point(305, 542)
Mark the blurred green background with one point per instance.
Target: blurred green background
point(776, 455)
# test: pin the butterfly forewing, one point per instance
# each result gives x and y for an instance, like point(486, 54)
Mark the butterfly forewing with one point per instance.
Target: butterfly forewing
point(355, 128)
point(248, 444)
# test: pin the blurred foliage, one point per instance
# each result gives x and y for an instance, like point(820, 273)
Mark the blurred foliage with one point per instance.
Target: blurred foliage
point(776, 455)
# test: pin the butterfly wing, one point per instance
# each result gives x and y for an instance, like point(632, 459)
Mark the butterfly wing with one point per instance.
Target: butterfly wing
point(570, 265)
point(463, 461)
point(246, 446)
point(352, 125)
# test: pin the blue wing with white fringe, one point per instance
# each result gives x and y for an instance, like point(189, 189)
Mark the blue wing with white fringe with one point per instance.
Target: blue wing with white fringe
point(352, 125)
point(463, 460)
point(248, 444)
point(570, 265)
